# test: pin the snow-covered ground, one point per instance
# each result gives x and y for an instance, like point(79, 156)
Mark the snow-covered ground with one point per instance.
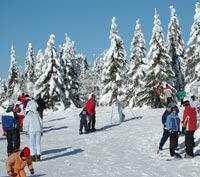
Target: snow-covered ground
point(128, 149)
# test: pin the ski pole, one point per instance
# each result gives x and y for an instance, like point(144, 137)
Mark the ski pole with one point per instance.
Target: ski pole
point(131, 111)
point(111, 114)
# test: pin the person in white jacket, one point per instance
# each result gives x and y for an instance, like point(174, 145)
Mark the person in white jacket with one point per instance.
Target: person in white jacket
point(33, 127)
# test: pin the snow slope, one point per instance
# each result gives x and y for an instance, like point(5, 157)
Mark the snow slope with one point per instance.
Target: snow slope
point(128, 149)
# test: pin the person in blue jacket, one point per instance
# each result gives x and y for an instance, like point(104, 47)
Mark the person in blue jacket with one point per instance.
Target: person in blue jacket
point(164, 119)
point(11, 126)
point(173, 124)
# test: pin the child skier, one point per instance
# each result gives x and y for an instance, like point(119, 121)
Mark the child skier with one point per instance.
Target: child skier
point(17, 161)
point(83, 121)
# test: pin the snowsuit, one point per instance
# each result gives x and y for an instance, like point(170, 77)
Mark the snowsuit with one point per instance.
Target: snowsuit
point(41, 106)
point(83, 121)
point(16, 164)
point(11, 126)
point(33, 126)
point(189, 124)
point(172, 124)
point(121, 106)
point(90, 107)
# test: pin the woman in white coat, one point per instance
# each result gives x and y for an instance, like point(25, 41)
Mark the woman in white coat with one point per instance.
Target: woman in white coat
point(33, 127)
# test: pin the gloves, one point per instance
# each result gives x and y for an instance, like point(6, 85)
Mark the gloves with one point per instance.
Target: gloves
point(183, 130)
point(32, 171)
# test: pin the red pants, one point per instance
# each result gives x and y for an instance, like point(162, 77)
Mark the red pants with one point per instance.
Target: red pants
point(20, 117)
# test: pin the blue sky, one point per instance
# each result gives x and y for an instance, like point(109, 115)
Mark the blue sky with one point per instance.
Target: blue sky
point(87, 22)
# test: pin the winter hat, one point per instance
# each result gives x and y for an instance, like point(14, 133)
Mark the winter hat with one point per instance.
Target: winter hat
point(26, 152)
point(169, 105)
point(185, 103)
point(173, 109)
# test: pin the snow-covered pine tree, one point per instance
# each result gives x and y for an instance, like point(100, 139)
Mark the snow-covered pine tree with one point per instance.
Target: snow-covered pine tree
point(68, 58)
point(91, 80)
point(114, 67)
point(50, 83)
point(40, 64)
point(3, 90)
point(193, 52)
point(137, 64)
point(13, 76)
point(159, 71)
point(175, 48)
point(29, 71)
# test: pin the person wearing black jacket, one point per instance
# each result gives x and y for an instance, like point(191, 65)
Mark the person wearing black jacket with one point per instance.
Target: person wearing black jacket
point(41, 105)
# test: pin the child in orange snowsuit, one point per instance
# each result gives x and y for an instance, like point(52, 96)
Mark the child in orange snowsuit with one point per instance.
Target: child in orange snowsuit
point(17, 161)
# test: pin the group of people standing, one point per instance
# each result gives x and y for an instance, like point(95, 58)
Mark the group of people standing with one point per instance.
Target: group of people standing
point(88, 114)
point(24, 115)
point(173, 126)
point(168, 95)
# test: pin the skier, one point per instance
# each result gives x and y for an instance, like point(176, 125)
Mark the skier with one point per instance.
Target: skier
point(41, 105)
point(168, 93)
point(17, 161)
point(11, 126)
point(83, 121)
point(165, 130)
point(189, 124)
point(157, 97)
point(18, 109)
point(90, 107)
point(181, 95)
point(172, 124)
point(120, 101)
point(33, 128)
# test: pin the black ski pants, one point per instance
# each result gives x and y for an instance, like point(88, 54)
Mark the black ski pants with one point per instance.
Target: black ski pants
point(173, 142)
point(83, 123)
point(189, 142)
point(92, 120)
point(13, 140)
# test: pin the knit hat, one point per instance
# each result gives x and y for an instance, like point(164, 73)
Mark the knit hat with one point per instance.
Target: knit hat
point(185, 103)
point(169, 105)
point(26, 152)
point(173, 109)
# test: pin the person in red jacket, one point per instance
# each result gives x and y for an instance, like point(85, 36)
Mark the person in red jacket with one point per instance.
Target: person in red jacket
point(90, 107)
point(189, 124)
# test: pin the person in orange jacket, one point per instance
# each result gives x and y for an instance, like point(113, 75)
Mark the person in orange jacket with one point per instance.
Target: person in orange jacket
point(90, 107)
point(189, 124)
point(17, 161)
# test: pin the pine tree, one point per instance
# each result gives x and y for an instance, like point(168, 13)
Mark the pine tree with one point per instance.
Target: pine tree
point(175, 48)
point(3, 90)
point(29, 72)
point(137, 64)
point(40, 64)
point(50, 83)
point(114, 67)
point(69, 61)
point(13, 75)
point(192, 52)
point(159, 71)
